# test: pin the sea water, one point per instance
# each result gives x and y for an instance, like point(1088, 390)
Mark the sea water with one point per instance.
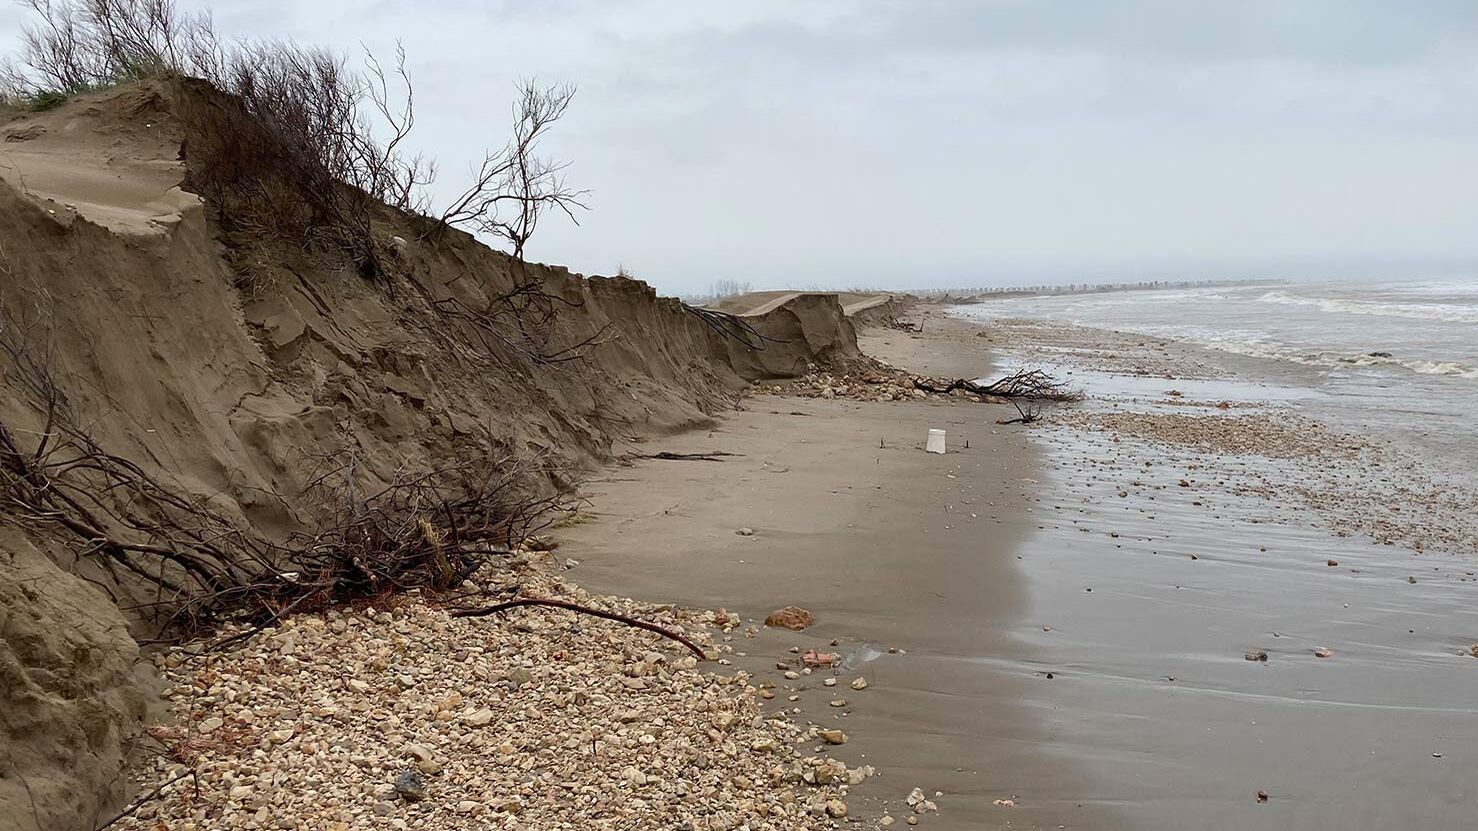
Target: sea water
point(1396, 359)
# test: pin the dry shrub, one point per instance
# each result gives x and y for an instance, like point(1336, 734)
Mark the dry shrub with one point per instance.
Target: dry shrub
point(430, 529)
point(314, 136)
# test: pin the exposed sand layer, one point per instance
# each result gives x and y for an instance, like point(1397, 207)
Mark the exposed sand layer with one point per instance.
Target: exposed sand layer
point(99, 161)
point(226, 368)
point(762, 302)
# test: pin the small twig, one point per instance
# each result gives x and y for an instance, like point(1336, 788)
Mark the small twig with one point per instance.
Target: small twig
point(139, 803)
point(246, 635)
point(573, 607)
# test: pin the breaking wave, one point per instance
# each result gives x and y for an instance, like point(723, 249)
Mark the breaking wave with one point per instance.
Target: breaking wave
point(1449, 312)
point(1327, 358)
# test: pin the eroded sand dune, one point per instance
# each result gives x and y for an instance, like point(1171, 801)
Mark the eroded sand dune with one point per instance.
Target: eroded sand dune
point(228, 368)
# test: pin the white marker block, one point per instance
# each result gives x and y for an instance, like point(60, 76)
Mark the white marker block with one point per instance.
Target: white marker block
point(936, 441)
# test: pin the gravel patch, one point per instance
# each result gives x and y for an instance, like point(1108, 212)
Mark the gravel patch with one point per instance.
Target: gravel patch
point(405, 717)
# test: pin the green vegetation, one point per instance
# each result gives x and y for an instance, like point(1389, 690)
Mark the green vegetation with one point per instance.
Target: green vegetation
point(44, 100)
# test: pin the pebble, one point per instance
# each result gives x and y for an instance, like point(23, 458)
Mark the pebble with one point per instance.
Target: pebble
point(478, 718)
point(859, 684)
point(791, 617)
point(410, 786)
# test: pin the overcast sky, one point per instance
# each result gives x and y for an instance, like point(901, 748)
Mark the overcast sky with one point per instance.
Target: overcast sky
point(925, 143)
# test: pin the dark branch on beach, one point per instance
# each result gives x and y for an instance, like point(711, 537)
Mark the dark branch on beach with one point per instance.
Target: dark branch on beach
point(903, 325)
point(1028, 410)
point(710, 456)
point(145, 799)
point(584, 610)
point(1033, 384)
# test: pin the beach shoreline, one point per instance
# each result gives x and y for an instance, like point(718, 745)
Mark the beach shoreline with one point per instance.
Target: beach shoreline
point(1237, 591)
point(1142, 544)
point(907, 559)
point(1058, 625)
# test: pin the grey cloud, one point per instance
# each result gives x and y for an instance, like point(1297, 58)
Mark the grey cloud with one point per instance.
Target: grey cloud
point(845, 142)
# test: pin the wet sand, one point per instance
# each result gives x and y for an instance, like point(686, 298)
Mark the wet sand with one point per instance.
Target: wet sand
point(1086, 559)
point(1198, 550)
point(881, 545)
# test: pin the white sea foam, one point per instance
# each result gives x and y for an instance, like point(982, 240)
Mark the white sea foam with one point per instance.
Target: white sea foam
point(1449, 312)
point(1275, 351)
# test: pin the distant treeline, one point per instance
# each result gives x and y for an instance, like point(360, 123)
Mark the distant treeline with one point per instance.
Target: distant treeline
point(991, 292)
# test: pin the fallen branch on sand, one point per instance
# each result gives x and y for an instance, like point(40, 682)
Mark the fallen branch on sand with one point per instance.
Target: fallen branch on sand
point(1029, 413)
point(1029, 384)
point(141, 801)
point(585, 610)
point(710, 456)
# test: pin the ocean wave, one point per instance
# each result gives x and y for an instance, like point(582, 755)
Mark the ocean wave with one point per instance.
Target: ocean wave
point(1448, 312)
point(1327, 358)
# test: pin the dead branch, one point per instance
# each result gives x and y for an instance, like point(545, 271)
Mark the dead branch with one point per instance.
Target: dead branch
point(1028, 411)
point(148, 797)
point(732, 327)
point(1029, 384)
point(428, 529)
point(573, 607)
point(710, 456)
point(514, 187)
point(519, 321)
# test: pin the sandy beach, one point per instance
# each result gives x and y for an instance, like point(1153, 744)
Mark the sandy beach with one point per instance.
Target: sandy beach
point(892, 549)
point(795, 417)
point(1076, 616)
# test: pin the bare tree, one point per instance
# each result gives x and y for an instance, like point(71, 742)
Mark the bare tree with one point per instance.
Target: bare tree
point(325, 119)
point(729, 288)
point(384, 171)
point(76, 45)
point(515, 186)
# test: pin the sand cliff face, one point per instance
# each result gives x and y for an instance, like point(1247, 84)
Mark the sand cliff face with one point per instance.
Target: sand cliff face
point(228, 371)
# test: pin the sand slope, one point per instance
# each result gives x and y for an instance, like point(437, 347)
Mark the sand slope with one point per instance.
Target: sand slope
point(230, 373)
